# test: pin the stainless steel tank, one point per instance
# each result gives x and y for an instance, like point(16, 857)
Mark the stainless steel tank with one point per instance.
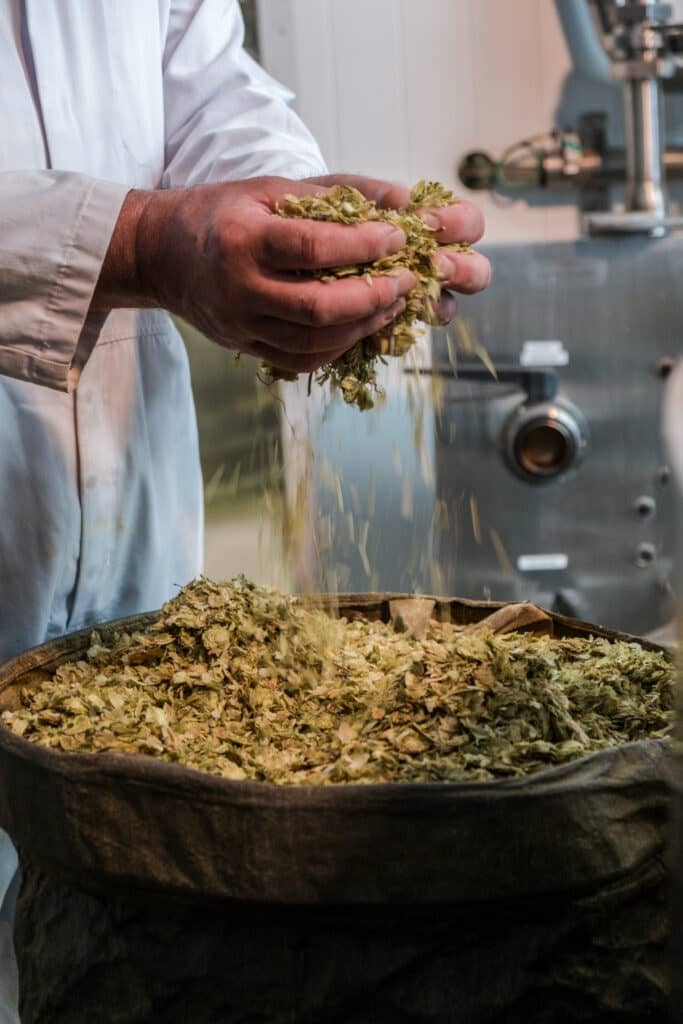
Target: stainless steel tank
point(550, 483)
point(571, 494)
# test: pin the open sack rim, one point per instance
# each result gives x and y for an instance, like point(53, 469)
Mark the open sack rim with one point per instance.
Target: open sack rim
point(52, 653)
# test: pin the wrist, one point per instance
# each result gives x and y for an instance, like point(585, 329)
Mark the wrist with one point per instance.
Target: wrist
point(130, 275)
point(157, 221)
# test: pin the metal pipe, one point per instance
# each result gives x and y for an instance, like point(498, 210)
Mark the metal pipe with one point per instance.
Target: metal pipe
point(604, 22)
point(480, 171)
point(589, 56)
point(645, 182)
point(645, 48)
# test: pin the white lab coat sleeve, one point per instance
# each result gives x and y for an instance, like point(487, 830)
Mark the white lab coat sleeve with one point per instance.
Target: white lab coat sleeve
point(226, 118)
point(55, 229)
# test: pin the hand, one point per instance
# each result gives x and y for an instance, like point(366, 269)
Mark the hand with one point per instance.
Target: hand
point(216, 256)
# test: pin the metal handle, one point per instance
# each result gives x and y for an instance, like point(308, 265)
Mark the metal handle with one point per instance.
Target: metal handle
point(540, 384)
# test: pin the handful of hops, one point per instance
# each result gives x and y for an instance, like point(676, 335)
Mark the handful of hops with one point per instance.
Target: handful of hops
point(355, 373)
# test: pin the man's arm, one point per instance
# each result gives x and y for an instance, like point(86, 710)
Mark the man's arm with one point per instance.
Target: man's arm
point(226, 119)
point(218, 257)
point(72, 246)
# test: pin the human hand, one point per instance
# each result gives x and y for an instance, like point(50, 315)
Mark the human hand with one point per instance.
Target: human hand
point(216, 256)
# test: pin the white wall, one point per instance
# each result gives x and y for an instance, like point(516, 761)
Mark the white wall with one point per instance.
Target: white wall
point(403, 88)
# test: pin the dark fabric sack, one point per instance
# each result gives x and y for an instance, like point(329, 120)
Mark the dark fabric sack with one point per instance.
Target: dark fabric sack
point(154, 893)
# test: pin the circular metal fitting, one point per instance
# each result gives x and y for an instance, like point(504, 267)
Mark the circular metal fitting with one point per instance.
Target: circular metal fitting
point(645, 506)
point(663, 476)
point(664, 366)
point(646, 554)
point(478, 171)
point(541, 442)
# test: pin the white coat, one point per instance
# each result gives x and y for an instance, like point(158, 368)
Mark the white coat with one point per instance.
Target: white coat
point(99, 468)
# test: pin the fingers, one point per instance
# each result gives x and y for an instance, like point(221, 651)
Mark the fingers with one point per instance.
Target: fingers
point(460, 222)
point(294, 244)
point(300, 244)
point(387, 194)
point(303, 349)
point(463, 272)
point(293, 363)
point(315, 303)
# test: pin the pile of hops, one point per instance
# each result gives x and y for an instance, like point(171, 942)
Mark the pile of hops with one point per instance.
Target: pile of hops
point(247, 683)
point(355, 373)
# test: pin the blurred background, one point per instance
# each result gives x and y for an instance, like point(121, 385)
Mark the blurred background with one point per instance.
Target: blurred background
point(549, 482)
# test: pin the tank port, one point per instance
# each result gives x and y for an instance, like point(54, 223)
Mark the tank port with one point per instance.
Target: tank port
point(663, 476)
point(543, 441)
point(645, 555)
point(663, 367)
point(644, 506)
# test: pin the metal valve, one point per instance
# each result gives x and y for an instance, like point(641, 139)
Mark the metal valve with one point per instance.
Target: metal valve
point(543, 441)
point(545, 436)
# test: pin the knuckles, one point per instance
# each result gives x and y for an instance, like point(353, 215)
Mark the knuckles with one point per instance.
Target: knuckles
point(233, 240)
point(308, 243)
point(324, 306)
point(314, 308)
point(294, 245)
